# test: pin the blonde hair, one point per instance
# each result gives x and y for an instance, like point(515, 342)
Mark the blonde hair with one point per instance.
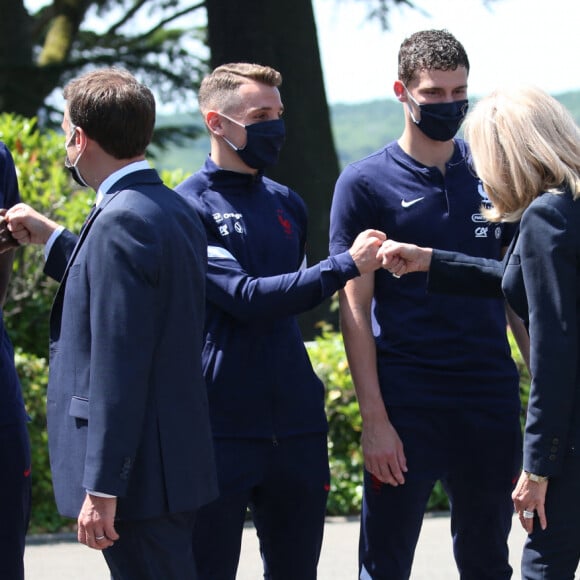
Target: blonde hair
point(523, 143)
point(219, 90)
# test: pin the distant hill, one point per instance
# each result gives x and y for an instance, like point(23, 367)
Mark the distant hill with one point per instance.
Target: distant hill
point(359, 129)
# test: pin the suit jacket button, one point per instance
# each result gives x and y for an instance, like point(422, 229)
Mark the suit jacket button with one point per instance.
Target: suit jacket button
point(552, 458)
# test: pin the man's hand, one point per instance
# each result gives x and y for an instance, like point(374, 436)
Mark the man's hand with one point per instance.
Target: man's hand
point(96, 521)
point(399, 258)
point(28, 226)
point(383, 452)
point(364, 250)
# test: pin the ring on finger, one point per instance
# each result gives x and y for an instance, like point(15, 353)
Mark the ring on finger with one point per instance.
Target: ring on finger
point(527, 514)
point(99, 538)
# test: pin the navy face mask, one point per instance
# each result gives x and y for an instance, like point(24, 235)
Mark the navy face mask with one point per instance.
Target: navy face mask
point(440, 121)
point(264, 142)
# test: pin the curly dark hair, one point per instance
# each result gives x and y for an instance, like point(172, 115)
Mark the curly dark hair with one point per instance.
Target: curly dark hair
point(430, 50)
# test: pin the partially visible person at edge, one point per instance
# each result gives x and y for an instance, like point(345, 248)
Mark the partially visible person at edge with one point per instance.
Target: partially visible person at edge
point(266, 403)
point(526, 149)
point(129, 437)
point(15, 486)
point(436, 384)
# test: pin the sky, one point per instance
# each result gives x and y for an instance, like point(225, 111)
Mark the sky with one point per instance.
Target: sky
point(509, 42)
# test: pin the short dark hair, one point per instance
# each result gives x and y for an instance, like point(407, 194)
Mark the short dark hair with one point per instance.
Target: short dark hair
point(114, 109)
point(430, 50)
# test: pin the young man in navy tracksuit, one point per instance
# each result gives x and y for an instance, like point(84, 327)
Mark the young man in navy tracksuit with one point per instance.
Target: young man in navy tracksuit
point(437, 388)
point(266, 403)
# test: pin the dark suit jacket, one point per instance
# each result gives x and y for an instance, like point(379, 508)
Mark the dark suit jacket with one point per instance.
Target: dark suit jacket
point(540, 277)
point(127, 408)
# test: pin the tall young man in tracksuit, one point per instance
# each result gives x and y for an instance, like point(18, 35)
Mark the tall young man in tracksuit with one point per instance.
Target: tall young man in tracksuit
point(437, 389)
point(266, 403)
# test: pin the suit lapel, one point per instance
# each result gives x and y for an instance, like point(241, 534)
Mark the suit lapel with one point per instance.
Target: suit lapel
point(85, 231)
point(148, 176)
point(511, 247)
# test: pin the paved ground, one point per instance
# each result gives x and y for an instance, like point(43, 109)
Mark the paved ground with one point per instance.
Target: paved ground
point(68, 560)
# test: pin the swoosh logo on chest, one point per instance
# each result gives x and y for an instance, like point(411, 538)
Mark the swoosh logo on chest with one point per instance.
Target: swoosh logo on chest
point(405, 203)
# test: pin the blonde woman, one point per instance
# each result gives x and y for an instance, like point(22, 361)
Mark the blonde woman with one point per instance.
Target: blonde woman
point(526, 151)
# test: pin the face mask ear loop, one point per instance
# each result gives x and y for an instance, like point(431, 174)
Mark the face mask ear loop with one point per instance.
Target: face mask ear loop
point(409, 106)
point(412, 115)
point(232, 120)
point(232, 145)
point(225, 138)
point(73, 133)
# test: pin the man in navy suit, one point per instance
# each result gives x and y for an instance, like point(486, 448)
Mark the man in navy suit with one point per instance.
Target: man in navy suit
point(129, 438)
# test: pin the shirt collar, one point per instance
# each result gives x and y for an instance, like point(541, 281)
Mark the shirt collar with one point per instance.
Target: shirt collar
point(115, 176)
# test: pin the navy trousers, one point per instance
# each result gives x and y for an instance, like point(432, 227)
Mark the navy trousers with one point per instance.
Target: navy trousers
point(476, 454)
point(15, 489)
point(285, 485)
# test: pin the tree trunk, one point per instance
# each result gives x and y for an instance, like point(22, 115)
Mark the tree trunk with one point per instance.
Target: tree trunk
point(282, 34)
point(15, 57)
point(25, 83)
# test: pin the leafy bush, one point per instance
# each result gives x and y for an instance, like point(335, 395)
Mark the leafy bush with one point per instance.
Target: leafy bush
point(33, 373)
point(44, 185)
point(345, 424)
point(524, 377)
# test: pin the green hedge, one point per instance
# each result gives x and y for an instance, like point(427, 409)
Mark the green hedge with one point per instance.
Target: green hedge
point(39, 157)
point(346, 461)
point(33, 372)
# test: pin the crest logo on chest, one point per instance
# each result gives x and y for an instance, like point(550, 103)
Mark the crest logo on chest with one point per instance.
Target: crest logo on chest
point(284, 222)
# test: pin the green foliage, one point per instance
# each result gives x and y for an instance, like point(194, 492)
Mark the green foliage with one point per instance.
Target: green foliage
point(161, 41)
point(173, 178)
point(345, 425)
point(46, 187)
point(33, 373)
point(524, 377)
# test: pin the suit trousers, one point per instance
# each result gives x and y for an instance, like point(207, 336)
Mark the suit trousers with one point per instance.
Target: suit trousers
point(15, 492)
point(153, 549)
